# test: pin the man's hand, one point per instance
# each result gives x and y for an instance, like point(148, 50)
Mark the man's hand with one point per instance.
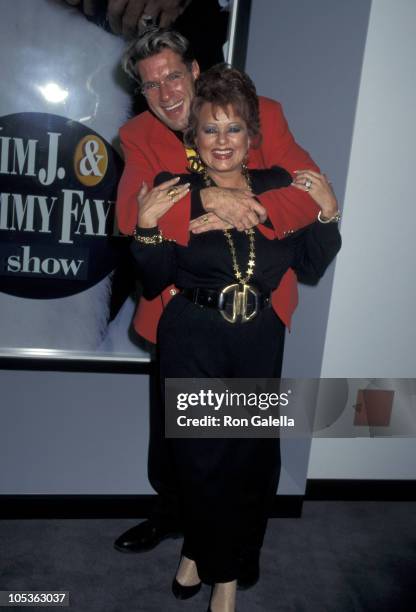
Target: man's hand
point(236, 207)
point(208, 222)
point(125, 16)
point(169, 10)
point(89, 7)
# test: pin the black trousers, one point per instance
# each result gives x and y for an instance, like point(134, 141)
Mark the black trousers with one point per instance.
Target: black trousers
point(222, 489)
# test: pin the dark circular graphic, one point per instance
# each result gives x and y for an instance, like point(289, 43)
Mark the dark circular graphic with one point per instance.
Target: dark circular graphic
point(58, 184)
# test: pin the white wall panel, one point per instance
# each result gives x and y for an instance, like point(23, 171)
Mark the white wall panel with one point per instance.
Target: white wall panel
point(371, 330)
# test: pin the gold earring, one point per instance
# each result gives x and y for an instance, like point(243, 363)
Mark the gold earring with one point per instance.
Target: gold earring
point(195, 162)
point(244, 165)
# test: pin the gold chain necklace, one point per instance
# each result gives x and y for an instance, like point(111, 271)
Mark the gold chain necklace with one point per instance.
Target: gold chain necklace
point(250, 233)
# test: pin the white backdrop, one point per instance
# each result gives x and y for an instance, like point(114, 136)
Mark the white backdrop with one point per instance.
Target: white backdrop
point(371, 329)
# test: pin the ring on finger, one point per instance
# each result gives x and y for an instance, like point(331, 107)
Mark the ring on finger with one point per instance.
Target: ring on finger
point(308, 184)
point(147, 20)
point(172, 193)
point(205, 219)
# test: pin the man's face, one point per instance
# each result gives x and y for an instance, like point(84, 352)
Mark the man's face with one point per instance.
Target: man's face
point(169, 87)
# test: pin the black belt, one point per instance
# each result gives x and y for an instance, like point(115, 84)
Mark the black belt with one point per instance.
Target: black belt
point(235, 302)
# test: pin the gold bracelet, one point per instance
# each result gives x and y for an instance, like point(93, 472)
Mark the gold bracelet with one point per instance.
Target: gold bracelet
point(334, 219)
point(157, 238)
point(152, 239)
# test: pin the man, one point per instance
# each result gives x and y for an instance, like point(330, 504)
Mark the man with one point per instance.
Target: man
point(164, 66)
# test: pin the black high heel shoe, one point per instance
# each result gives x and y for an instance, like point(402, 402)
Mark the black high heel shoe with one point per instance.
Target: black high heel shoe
point(181, 591)
point(185, 592)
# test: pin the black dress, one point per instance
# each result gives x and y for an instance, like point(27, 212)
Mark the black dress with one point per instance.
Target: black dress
point(226, 486)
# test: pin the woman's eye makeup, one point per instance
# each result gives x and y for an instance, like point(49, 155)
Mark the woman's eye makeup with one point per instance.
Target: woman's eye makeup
point(209, 129)
point(212, 129)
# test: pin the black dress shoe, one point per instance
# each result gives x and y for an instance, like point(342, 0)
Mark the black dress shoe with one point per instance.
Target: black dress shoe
point(146, 536)
point(249, 572)
point(185, 592)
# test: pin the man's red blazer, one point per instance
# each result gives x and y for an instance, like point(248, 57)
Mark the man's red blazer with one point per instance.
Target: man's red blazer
point(150, 147)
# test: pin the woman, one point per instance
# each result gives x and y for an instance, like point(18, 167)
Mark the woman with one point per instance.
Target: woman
point(226, 485)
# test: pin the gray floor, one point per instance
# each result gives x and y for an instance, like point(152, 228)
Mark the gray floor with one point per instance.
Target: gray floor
point(339, 557)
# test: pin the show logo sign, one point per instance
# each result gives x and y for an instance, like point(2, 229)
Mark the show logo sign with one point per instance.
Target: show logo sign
point(58, 182)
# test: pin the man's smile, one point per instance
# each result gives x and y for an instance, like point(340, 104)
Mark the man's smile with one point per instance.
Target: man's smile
point(173, 107)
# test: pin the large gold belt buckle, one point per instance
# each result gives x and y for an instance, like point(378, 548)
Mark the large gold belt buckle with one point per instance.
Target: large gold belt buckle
point(241, 293)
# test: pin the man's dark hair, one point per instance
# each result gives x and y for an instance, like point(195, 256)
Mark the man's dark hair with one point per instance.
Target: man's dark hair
point(151, 42)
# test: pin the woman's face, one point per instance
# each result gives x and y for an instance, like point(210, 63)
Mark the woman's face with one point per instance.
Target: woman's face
point(221, 138)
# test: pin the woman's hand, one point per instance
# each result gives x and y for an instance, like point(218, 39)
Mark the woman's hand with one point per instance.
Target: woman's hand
point(319, 188)
point(155, 203)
